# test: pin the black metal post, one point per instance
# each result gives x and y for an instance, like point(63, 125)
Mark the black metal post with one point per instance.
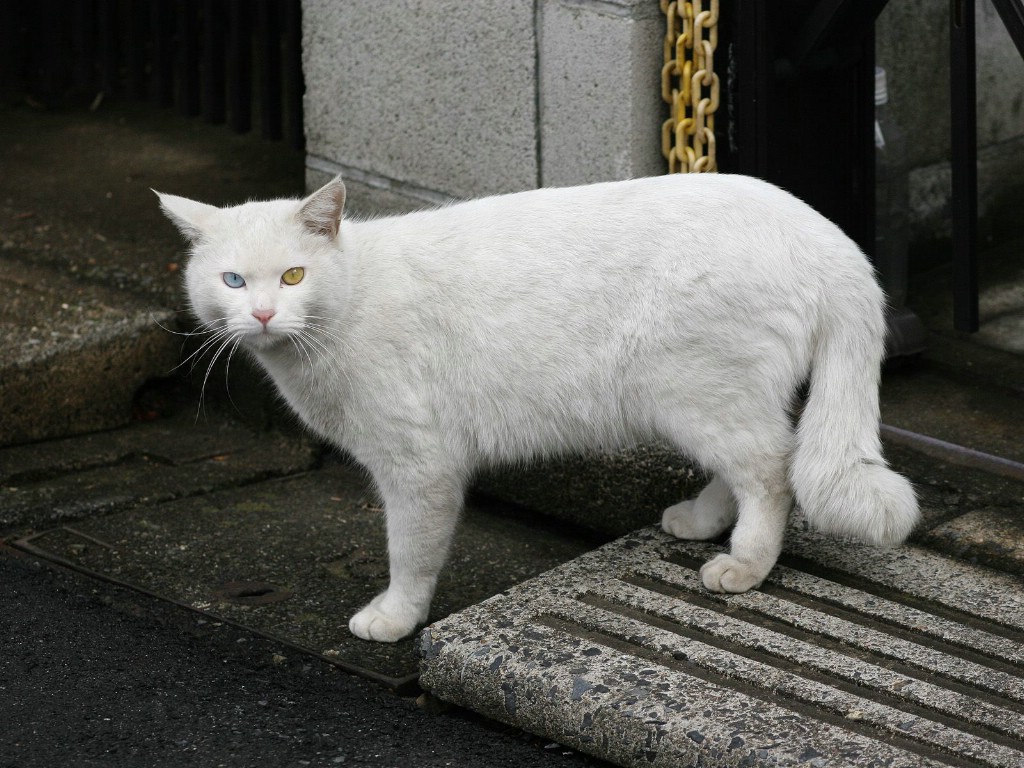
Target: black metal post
point(162, 62)
point(964, 166)
point(239, 67)
point(294, 85)
point(214, 109)
point(187, 55)
point(268, 35)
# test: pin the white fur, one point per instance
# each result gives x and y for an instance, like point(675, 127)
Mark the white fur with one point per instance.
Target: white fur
point(688, 308)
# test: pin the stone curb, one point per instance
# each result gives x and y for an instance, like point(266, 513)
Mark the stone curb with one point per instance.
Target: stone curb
point(848, 656)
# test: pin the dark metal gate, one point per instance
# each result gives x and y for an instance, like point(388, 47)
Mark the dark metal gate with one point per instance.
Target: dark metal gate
point(801, 110)
point(965, 150)
point(230, 61)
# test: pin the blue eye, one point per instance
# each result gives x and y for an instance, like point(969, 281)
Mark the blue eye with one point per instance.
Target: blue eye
point(233, 280)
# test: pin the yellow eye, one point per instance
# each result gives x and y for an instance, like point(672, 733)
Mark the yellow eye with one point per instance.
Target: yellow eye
point(293, 276)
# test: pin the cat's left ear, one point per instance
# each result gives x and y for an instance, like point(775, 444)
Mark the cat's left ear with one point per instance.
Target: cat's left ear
point(321, 212)
point(190, 217)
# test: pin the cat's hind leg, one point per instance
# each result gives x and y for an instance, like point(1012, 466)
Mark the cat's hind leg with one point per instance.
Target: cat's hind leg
point(705, 518)
point(764, 502)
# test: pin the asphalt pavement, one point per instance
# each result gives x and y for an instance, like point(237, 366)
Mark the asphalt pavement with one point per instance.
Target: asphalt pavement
point(92, 674)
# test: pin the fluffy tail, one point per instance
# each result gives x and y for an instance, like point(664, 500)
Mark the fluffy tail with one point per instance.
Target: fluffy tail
point(838, 474)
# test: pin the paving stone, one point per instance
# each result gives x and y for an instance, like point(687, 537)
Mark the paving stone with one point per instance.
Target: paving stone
point(993, 537)
point(611, 494)
point(75, 353)
point(848, 655)
point(294, 558)
point(62, 480)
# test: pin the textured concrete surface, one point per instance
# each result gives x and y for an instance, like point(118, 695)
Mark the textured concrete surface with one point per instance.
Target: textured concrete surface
point(611, 494)
point(440, 95)
point(291, 558)
point(60, 481)
point(455, 100)
point(75, 353)
point(848, 656)
point(994, 537)
point(600, 107)
point(441, 100)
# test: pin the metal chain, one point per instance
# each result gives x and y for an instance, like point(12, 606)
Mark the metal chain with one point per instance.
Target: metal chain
point(689, 84)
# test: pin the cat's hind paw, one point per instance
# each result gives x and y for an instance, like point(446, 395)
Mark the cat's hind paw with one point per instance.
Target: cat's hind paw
point(683, 520)
point(375, 623)
point(725, 573)
point(705, 518)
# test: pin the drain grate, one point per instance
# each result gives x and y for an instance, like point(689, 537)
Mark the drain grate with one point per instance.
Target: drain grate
point(848, 655)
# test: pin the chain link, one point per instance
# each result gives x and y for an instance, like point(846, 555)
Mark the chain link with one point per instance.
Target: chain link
point(689, 85)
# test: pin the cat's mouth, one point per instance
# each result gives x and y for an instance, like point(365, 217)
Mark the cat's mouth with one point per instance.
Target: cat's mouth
point(264, 338)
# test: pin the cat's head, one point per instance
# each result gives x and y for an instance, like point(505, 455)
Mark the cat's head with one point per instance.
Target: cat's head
point(262, 272)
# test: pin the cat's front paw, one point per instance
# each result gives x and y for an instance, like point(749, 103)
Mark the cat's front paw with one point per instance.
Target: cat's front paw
point(381, 622)
point(725, 573)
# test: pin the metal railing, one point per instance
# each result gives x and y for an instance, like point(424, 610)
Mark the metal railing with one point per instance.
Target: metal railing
point(230, 61)
point(963, 103)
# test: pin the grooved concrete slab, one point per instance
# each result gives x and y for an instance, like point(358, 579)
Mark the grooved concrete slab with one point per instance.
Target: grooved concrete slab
point(848, 655)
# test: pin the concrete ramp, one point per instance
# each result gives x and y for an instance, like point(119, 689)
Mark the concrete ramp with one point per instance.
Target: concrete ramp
point(849, 655)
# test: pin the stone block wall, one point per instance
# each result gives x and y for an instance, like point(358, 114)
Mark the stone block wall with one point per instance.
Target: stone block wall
point(445, 99)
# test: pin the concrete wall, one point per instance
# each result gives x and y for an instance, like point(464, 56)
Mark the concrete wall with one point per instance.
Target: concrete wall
point(434, 99)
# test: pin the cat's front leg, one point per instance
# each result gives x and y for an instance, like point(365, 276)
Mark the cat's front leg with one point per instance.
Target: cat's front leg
point(421, 519)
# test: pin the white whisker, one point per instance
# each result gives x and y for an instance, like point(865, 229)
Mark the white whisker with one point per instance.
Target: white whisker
point(228, 338)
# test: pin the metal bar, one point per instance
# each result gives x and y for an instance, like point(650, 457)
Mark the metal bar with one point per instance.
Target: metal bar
point(214, 110)
point(825, 20)
point(136, 47)
point(187, 55)
point(162, 65)
point(1012, 14)
point(293, 82)
point(49, 63)
point(964, 166)
point(83, 44)
point(107, 45)
point(750, 85)
point(239, 67)
point(864, 172)
point(268, 35)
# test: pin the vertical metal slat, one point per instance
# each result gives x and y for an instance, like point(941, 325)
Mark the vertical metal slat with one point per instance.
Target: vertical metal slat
point(964, 166)
point(137, 22)
point(294, 85)
point(268, 25)
point(214, 110)
point(162, 64)
point(187, 55)
point(239, 67)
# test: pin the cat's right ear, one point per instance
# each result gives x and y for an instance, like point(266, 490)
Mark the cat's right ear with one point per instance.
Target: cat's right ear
point(321, 212)
point(192, 218)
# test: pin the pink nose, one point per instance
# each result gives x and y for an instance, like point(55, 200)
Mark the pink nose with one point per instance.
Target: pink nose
point(263, 315)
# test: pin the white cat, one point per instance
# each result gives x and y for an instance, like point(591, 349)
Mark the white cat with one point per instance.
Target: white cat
point(688, 308)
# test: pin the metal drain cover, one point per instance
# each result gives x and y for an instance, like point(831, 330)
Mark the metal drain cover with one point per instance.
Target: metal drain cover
point(849, 655)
